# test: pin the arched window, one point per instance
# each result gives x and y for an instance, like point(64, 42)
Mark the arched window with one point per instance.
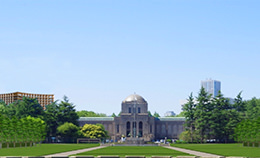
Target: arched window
point(134, 129)
point(140, 134)
point(128, 129)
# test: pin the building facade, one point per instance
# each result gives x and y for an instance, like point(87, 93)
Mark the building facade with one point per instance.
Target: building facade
point(43, 99)
point(211, 86)
point(134, 121)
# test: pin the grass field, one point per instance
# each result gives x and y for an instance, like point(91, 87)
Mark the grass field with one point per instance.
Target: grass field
point(134, 150)
point(43, 149)
point(223, 149)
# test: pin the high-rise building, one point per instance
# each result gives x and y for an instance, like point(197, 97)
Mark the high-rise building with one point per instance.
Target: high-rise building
point(169, 113)
point(211, 86)
point(43, 99)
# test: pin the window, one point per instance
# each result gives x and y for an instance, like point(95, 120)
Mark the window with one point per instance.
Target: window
point(134, 129)
point(140, 134)
point(129, 110)
point(139, 110)
point(151, 129)
point(128, 129)
point(117, 128)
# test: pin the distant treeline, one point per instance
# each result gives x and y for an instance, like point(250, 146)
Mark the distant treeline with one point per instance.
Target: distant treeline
point(85, 113)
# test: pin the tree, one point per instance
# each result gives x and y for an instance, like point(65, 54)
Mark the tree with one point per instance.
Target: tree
point(6, 131)
point(221, 118)
point(21, 129)
point(27, 127)
point(113, 115)
point(85, 113)
point(186, 136)
point(42, 130)
point(51, 118)
point(67, 112)
point(94, 131)
point(39, 129)
point(3, 108)
point(181, 114)
point(68, 131)
point(13, 124)
point(202, 114)
point(189, 113)
point(57, 114)
point(216, 118)
point(248, 131)
point(252, 108)
point(239, 104)
point(156, 114)
point(25, 107)
point(3, 127)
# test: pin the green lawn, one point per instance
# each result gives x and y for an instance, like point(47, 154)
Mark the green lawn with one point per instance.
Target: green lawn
point(223, 149)
point(134, 150)
point(43, 149)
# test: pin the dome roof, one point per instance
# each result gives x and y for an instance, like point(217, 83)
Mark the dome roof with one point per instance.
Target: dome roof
point(134, 97)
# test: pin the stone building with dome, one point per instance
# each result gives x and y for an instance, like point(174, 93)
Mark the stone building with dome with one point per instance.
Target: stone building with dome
point(134, 122)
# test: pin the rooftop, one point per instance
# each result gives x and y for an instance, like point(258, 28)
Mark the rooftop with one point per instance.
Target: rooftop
point(96, 119)
point(134, 97)
point(172, 118)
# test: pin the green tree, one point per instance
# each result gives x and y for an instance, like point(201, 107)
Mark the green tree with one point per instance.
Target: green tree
point(186, 136)
point(25, 107)
point(35, 129)
point(67, 112)
point(68, 131)
point(221, 117)
point(214, 118)
point(181, 114)
point(3, 108)
point(21, 129)
point(39, 130)
point(42, 130)
point(258, 131)
point(85, 113)
point(252, 108)
point(248, 131)
point(27, 127)
point(51, 118)
point(57, 114)
point(189, 113)
point(6, 131)
point(156, 114)
point(3, 126)
point(13, 124)
point(13, 130)
point(113, 115)
point(239, 104)
point(202, 114)
point(94, 131)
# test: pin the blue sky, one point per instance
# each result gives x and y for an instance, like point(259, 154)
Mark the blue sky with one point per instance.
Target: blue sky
point(99, 52)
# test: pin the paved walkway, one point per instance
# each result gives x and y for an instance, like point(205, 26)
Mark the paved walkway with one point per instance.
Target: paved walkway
point(75, 151)
point(192, 152)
